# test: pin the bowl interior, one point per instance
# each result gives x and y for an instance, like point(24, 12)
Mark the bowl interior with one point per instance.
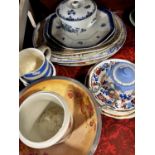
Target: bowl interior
point(41, 116)
point(30, 60)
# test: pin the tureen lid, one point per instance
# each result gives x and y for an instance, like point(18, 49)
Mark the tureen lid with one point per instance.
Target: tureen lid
point(124, 74)
point(76, 10)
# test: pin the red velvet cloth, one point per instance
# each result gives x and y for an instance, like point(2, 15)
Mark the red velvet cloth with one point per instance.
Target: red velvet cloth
point(118, 136)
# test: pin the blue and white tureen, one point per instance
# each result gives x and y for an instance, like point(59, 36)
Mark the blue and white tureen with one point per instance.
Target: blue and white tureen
point(79, 24)
point(77, 14)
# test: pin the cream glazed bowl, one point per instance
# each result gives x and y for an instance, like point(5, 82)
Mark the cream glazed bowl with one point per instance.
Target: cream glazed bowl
point(77, 15)
point(44, 120)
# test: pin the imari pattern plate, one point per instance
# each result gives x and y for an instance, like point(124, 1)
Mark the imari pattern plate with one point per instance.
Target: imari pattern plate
point(103, 88)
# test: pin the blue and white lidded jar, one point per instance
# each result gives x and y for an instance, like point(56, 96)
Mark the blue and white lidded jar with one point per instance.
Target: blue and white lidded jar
point(77, 15)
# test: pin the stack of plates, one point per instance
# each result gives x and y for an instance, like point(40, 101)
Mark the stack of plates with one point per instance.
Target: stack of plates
point(115, 103)
point(74, 49)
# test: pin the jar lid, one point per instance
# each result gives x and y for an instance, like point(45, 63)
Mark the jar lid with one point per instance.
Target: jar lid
point(76, 10)
point(124, 74)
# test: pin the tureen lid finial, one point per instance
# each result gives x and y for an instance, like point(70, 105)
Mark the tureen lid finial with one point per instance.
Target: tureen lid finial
point(123, 75)
point(75, 4)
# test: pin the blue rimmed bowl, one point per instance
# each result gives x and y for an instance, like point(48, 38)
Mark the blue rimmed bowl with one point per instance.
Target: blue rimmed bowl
point(35, 64)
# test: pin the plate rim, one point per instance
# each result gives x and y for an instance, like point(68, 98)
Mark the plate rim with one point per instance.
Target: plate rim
point(130, 17)
point(131, 116)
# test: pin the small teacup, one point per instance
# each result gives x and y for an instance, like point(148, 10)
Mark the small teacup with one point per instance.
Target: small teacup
point(34, 64)
point(44, 120)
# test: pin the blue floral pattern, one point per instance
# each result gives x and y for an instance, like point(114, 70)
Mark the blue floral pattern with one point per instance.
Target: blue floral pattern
point(73, 12)
point(80, 42)
point(87, 7)
point(103, 25)
point(72, 30)
point(111, 50)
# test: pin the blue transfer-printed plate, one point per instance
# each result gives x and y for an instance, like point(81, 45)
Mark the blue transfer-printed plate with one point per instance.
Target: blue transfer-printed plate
point(81, 57)
point(67, 37)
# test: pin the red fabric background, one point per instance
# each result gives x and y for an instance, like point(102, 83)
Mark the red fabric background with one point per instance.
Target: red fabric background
point(118, 136)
